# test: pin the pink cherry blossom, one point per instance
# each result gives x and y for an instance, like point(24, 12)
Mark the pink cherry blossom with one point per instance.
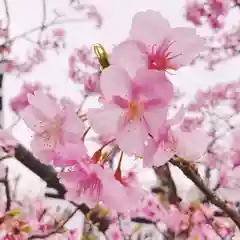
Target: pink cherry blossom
point(154, 44)
point(128, 113)
point(91, 183)
point(52, 124)
point(172, 140)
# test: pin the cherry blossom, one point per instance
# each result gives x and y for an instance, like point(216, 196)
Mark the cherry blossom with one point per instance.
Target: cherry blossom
point(92, 183)
point(175, 141)
point(137, 98)
point(154, 44)
point(128, 114)
point(53, 126)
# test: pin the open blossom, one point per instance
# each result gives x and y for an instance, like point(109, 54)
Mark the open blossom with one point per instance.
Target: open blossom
point(154, 44)
point(52, 123)
point(128, 113)
point(173, 140)
point(93, 184)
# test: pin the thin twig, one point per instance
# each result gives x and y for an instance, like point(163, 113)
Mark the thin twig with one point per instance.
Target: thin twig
point(52, 23)
point(57, 230)
point(7, 190)
point(7, 13)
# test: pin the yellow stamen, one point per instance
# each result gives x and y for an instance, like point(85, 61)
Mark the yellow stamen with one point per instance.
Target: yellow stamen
point(135, 109)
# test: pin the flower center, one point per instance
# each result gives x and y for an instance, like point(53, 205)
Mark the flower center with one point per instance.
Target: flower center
point(135, 110)
point(160, 57)
point(92, 185)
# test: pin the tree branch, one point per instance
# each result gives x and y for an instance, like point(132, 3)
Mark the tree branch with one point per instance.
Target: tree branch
point(5, 182)
point(45, 172)
point(49, 175)
point(57, 230)
point(191, 174)
point(164, 174)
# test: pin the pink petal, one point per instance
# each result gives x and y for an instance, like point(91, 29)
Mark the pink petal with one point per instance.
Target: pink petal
point(40, 151)
point(69, 154)
point(72, 123)
point(155, 118)
point(69, 178)
point(135, 59)
point(105, 121)
point(191, 145)
point(112, 199)
point(178, 117)
point(33, 120)
point(44, 104)
point(115, 81)
point(149, 27)
point(154, 84)
point(186, 46)
point(132, 137)
point(162, 156)
point(149, 151)
point(41, 143)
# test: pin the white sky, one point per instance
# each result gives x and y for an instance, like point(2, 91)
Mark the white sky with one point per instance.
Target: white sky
point(117, 19)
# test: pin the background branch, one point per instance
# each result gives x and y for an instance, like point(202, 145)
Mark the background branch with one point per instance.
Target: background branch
point(191, 174)
point(7, 190)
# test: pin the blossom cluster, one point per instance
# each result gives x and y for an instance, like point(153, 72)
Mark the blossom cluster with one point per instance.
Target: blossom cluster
point(31, 219)
point(135, 93)
point(192, 221)
point(26, 217)
point(223, 43)
point(212, 11)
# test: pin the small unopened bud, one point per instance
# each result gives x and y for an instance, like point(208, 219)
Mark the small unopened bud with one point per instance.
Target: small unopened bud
point(101, 55)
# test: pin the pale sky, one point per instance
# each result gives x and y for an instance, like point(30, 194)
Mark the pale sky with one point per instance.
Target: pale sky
point(117, 19)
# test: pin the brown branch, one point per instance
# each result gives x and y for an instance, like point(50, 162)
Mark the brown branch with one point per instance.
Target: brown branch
point(49, 175)
point(45, 172)
point(7, 191)
point(164, 174)
point(191, 174)
point(5, 182)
